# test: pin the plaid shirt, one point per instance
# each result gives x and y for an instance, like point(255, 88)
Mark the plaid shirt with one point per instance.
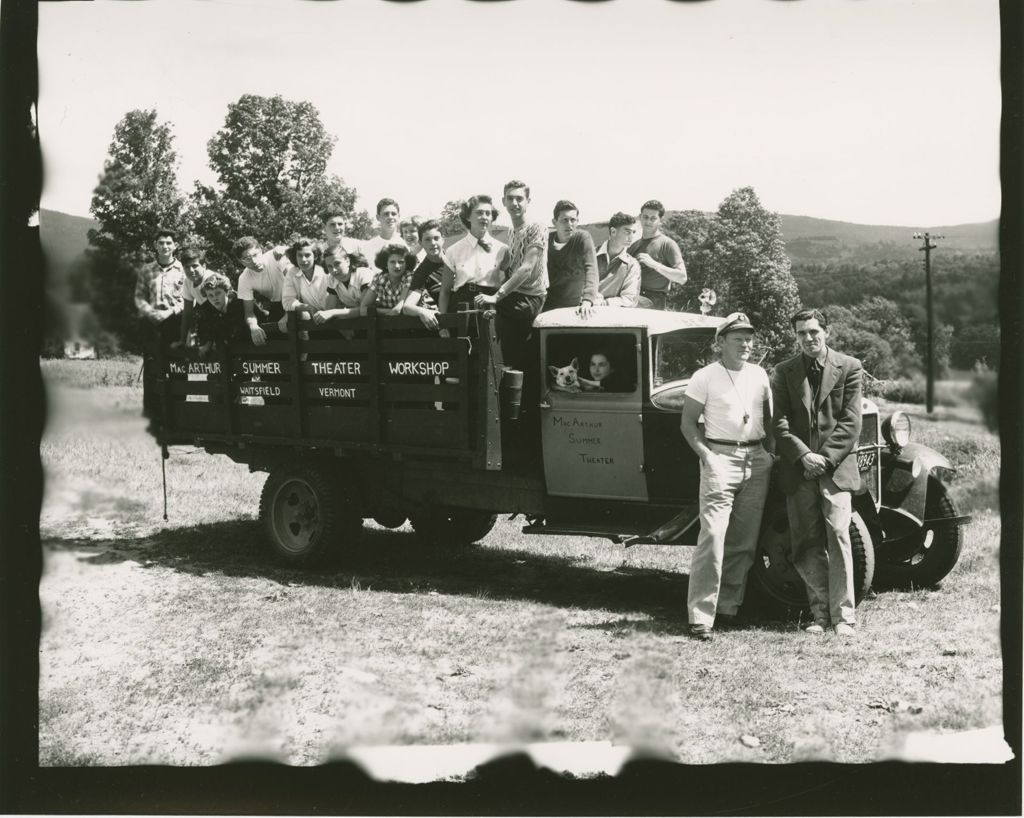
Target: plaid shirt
point(389, 295)
point(160, 285)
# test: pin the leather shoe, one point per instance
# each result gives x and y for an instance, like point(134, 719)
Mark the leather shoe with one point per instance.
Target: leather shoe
point(814, 630)
point(843, 629)
point(728, 621)
point(701, 632)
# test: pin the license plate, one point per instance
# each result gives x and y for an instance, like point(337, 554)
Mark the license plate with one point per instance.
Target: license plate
point(866, 459)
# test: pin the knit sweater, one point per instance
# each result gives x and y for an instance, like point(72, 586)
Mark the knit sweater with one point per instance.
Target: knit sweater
point(572, 271)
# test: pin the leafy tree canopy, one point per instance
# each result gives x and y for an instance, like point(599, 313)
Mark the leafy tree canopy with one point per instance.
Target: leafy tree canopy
point(137, 193)
point(138, 189)
point(449, 218)
point(739, 252)
point(270, 158)
point(269, 145)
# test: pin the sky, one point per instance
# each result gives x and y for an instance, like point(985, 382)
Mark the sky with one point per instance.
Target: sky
point(876, 112)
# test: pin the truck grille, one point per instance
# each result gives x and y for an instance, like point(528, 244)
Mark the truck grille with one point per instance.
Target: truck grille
point(868, 430)
point(866, 453)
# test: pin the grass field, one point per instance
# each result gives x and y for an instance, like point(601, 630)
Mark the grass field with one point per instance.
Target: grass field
point(183, 643)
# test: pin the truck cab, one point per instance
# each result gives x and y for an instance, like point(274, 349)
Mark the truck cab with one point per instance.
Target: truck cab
point(613, 456)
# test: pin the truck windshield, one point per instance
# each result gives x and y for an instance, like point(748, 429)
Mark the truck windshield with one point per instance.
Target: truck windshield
point(677, 355)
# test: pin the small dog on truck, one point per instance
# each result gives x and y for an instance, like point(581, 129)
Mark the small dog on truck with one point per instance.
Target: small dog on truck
point(567, 378)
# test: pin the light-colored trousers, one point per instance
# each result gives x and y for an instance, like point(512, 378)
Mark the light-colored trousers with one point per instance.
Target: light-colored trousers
point(819, 529)
point(732, 495)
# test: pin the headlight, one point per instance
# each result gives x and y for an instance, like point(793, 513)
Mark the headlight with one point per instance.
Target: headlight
point(896, 430)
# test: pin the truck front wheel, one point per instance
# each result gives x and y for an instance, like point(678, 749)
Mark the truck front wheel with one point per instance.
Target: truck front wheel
point(305, 513)
point(449, 526)
point(911, 557)
point(774, 584)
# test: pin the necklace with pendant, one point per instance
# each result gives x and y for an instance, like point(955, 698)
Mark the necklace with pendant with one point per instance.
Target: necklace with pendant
point(744, 403)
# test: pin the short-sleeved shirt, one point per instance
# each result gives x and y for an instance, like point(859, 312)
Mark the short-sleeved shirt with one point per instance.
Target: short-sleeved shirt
point(266, 285)
point(662, 249)
point(350, 293)
point(309, 291)
point(727, 395)
point(535, 281)
point(427, 277)
point(373, 246)
point(471, 263)
point(191, 292)
point(349, 245)
point(388, 294)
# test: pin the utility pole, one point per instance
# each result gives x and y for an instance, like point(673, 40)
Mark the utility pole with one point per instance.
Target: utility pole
point(927, 248)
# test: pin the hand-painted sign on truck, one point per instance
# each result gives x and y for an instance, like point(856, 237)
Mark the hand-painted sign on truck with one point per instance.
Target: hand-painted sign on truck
point(193, 367)
point(336, 391)
point(405, 368)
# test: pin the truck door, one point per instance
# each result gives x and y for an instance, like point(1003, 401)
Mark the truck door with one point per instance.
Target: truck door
point(592, 413)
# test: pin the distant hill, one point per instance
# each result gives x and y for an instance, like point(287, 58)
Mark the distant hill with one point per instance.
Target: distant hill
point(811, 240)
point(819, 241)
point(64, 239)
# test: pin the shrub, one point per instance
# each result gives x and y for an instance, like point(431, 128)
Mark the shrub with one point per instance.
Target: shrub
point(979, 342)
point(985, 391)
point(898, 390)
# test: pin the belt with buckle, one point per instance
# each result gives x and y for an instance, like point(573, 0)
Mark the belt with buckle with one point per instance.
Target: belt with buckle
point(740, 443)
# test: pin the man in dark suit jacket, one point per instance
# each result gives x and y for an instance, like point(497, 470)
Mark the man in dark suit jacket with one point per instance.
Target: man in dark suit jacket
point(817, 397)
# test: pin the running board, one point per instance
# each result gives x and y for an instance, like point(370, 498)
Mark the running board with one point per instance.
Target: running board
point(609, 533)
point(666, 534)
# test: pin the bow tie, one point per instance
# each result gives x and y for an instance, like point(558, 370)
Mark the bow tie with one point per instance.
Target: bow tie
point(485, 244)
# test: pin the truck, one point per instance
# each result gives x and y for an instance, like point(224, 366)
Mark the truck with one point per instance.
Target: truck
point(388, 421)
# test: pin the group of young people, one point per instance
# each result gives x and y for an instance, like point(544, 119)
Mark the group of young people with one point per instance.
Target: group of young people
point(406, 269)
point(808, 417)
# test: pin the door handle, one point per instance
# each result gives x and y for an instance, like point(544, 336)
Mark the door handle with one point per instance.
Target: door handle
point(544, 404)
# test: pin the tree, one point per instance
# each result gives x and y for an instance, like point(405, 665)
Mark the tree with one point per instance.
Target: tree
point(847, 332)
point(690, 229)
point(269, 145)
point(974, 344)
point(451, 225)
point(270, 158)
point(739, 252)
point(137, 193)
point(877, 334)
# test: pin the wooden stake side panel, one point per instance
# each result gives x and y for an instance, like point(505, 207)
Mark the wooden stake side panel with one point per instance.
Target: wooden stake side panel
point(391, 384)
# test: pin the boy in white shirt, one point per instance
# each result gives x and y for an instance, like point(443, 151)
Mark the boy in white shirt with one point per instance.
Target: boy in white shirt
point(735, 398)
point(260, 286)
point(388, 232)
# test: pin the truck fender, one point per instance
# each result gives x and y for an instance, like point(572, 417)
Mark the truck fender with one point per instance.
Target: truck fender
point(905, 479)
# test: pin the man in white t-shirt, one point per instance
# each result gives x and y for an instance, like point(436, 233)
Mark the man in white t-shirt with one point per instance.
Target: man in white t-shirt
point(734, 397)
point(260, 286)
point(387, 233)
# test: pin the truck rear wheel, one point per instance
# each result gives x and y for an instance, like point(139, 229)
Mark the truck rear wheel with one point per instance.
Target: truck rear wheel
point(450, 526)
point(774, 584)
point(305, 513)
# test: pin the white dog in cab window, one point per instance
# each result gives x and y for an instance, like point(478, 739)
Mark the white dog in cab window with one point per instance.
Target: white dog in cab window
point(567, 378)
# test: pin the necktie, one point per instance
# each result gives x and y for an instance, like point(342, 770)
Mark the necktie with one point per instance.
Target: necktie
point(814, 376)
point(486, 245)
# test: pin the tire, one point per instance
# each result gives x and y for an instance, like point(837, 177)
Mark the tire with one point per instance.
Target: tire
point(775, 587)
point(305, 513)
point(450, 526)
point(912, 558)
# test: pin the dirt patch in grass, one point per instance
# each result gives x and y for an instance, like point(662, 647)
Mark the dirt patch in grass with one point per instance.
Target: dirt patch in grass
point(184, 643)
